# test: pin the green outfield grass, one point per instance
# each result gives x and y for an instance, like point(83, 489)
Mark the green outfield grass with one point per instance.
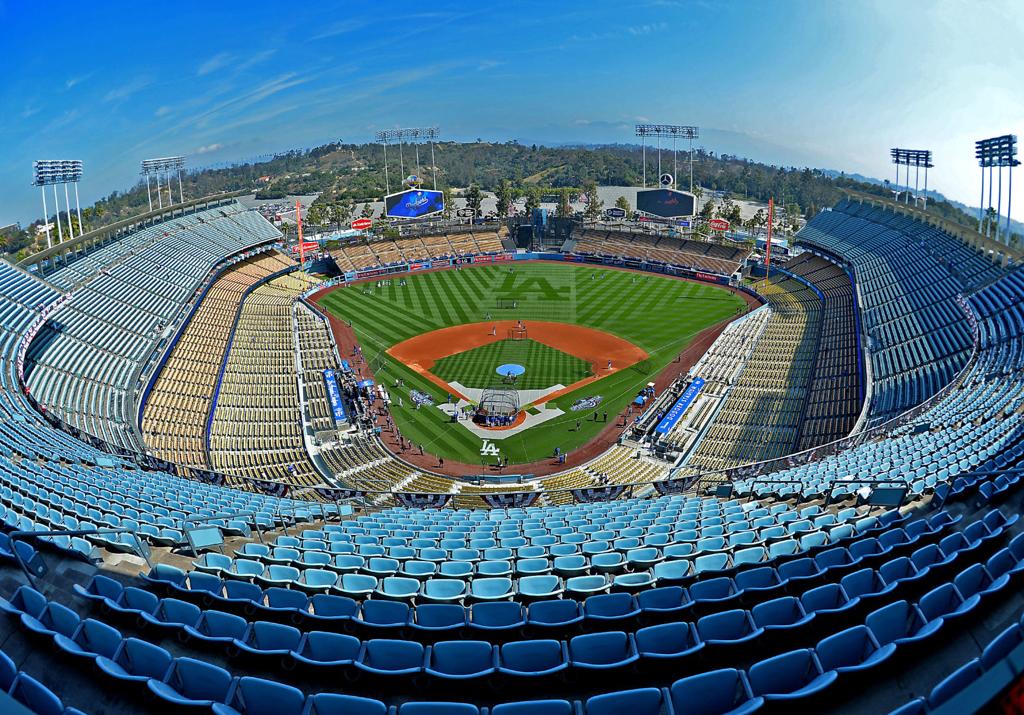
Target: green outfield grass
point(659, 314)
point(544, 365)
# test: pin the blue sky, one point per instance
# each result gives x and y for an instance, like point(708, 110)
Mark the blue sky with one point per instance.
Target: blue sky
point(821, 83)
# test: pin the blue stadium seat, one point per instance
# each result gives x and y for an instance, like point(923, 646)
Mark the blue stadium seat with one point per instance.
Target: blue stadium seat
point(497, 615)
point(327, 650)
point(439, 617)
point(338, 704)
point(668, 641)
point(461, 660)
point(91, 639)
point(556, 615)
point(713, 693)
point(610, 607)
point(790, 676)
point(391, 657)
point(602, 651)
point(852, 650)
point(955, 682)
point(194, 684)
point(535, 707)
point(256, 696)
point(899, 623)
point(643, 701)
point(534, 659)
point(780, 615)
point(385, 615)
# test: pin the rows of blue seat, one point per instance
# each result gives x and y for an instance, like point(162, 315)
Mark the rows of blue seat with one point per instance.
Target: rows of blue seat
point(790, 676)
point(919, 337)
point(977, 426)
point(999, 648)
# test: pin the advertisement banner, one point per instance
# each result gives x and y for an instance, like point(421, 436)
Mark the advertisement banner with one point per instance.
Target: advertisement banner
point(679, 408)
point(414, 203)
point(665, 203)
point(593, 494)
point(334, 397)
point(497, 258)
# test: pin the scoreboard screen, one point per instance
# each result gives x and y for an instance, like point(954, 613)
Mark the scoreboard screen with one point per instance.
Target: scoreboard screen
point(413, 203)
point(665, 203)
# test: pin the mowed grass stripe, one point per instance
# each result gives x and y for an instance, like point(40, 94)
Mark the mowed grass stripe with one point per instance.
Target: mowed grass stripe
point(544, 365)
point(463, 305)
point(440, 307)
point(661, 315)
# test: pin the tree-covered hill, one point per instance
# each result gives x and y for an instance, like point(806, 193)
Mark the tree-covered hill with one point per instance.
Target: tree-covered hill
point(353, 173)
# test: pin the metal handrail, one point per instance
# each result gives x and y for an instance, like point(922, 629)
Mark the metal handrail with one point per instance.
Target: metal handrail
point(220, 517)
point(25, 535)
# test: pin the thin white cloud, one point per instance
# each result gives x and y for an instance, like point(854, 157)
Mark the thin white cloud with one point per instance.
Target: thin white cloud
point(162, 111)
point(127, 89)
point(72, 81)
point(219, 60)
point(254, 59)
point(342, 27)
point(208, 149)
point(639, 30)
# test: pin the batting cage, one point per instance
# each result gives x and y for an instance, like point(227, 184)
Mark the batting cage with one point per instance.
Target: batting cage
point(518, 333)
point(499, 405)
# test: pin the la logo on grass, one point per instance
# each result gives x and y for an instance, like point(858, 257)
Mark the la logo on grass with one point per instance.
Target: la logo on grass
point(489, 449)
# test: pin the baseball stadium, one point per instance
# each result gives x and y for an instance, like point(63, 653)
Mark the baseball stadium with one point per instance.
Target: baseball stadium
point(417, 425)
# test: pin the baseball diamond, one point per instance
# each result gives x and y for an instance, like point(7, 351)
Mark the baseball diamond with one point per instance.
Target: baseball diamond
point(443, 330)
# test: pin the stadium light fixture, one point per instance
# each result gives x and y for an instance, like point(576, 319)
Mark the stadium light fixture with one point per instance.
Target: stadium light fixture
point(51, 172)
point(996, 152)
point(674, 131)
point(917, 158)
point(162, 167)
point(418, 135)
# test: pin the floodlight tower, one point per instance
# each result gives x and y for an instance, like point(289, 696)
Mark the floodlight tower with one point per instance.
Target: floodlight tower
point(675, 131)
point(918, 158)
point(50, 172)
point(417, 133)
point(163, 167)
point(997, 152)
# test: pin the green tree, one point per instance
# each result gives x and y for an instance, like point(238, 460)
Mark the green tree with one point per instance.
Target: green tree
point(564, 207)
point(449, 204)
point(474, 198)
point(592, 212)
point(623, 203)
point(734, 216)
point(532, 198)
point(708, 210)
point(506, 194)
point(367, 210)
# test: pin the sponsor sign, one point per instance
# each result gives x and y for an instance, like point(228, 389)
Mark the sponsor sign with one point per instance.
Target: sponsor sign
point(465, 213)
point(334, 397)
point(666, 179)
point(718, 224)
point(35, 327)
point(420, 265)
point(615, 212)
point(665, 203)
point(361, 224)
point(588, 403)
point(414, 203)
point(676, 411)
point(498, 258)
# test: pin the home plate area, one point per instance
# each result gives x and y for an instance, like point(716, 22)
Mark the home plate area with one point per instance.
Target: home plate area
point(525, 421)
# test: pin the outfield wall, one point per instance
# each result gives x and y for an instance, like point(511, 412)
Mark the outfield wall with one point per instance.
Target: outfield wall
point(636, 264)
